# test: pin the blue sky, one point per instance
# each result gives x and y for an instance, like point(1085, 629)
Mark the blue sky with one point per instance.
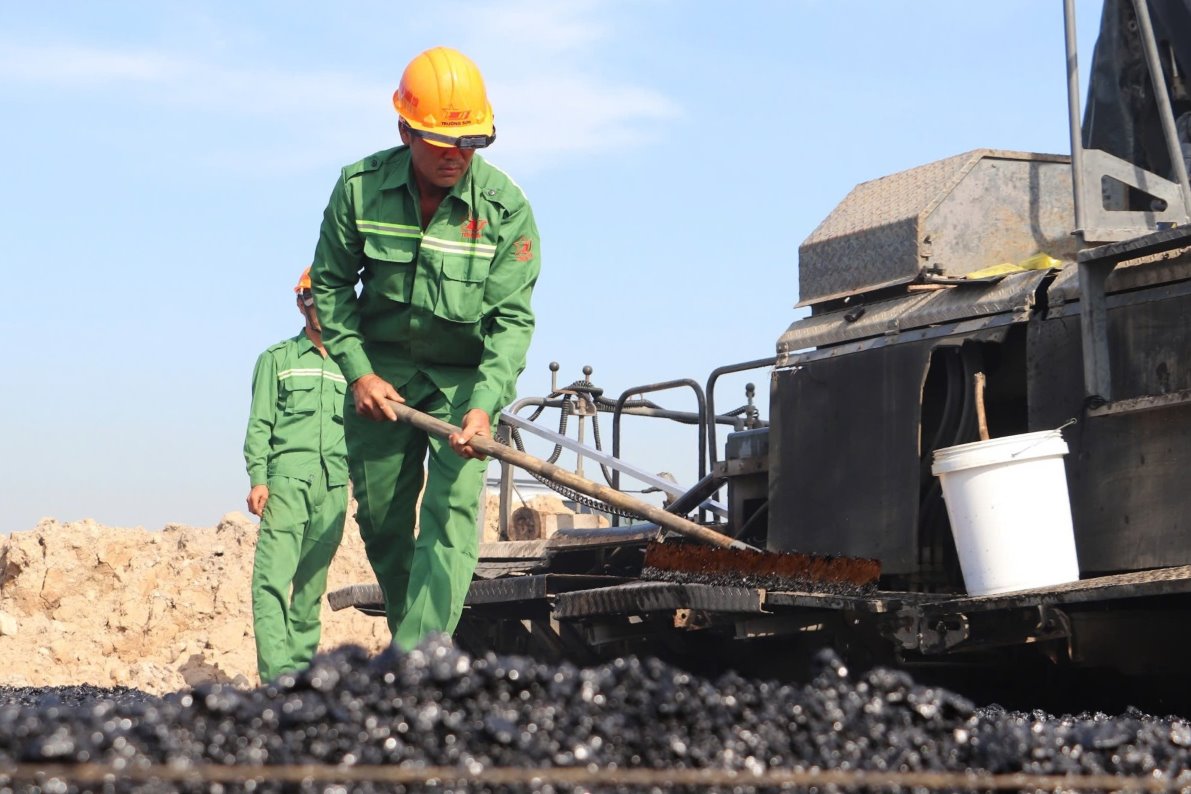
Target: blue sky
point(166, 165)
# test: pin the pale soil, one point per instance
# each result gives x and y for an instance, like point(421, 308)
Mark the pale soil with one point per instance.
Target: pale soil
point(160, 611)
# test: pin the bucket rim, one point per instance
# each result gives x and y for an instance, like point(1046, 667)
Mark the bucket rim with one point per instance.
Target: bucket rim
point(1000, 450)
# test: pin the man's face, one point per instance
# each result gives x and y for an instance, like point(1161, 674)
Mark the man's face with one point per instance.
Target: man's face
point(440, 166)
point(308, 311)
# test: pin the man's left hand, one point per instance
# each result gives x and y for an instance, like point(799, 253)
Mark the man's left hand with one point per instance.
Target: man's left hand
point(475, 423)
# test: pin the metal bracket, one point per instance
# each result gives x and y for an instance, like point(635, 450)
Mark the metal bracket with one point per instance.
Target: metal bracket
point(584, 406)
point(944, 634)
point(1090, 166)
point(1102, 225)
point(1095, 266)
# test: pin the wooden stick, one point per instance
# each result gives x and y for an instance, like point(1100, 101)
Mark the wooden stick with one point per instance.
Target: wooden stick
point(981, 419)
point(489, 446)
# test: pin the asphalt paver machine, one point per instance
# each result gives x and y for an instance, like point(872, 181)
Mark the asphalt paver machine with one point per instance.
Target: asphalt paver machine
point(907, 307)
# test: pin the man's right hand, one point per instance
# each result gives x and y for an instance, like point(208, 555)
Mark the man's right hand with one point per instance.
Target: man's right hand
point(372, 393)
point(256, 500)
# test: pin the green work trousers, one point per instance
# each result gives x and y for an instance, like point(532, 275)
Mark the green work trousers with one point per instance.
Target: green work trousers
point(424, 579)
point(299, 535)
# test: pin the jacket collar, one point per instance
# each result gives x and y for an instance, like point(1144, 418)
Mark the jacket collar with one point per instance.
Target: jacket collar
point(304, 344)
point(399, 173)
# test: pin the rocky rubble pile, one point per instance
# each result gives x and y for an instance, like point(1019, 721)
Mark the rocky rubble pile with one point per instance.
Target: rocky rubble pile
point(439, 707)
point(82, 603)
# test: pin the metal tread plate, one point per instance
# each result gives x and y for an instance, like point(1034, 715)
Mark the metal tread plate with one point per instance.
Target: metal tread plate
point(1012, 294)
point(642, 596)
point(368, 597)
point(1136, 584)
point(1145, 245)
point(492, 569)
point(533, 588)
point(578, 596)
point(952, 216)
point(871, 238)
point(1125, 278)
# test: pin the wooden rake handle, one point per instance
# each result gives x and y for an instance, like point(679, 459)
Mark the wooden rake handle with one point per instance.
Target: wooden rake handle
point(489, 446)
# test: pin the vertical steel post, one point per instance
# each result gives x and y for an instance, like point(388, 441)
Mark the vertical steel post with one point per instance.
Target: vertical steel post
point(1073, 120)
point(506, 488)
point(582, 439)
point(1093, 319)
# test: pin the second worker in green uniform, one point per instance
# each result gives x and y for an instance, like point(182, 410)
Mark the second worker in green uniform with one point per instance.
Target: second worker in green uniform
point(297, 465)
point(447, 250)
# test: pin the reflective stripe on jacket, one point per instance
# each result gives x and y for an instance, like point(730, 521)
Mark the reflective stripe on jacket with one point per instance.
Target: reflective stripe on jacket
point(295, 425)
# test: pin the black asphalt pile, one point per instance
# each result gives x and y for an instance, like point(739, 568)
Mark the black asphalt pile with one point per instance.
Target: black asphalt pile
point(70, 696)
point(439, 707)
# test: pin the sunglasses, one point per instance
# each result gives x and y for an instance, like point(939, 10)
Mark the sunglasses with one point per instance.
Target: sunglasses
point(460, 142)
point(307, 297)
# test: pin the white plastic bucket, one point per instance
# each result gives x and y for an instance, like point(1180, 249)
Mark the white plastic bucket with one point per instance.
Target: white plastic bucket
point(1009, 510)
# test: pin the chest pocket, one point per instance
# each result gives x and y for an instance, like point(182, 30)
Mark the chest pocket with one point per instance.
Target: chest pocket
point(337, 408)
point(297, 396)
point(461, 290)
point(391, 266)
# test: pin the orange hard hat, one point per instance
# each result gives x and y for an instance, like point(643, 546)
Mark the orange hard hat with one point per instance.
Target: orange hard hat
point(303, 282)
point(442, 93)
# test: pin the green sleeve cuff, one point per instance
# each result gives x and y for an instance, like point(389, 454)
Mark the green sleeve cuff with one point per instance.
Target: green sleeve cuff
point(258, 476)
point(486, 398)
point(354, 363)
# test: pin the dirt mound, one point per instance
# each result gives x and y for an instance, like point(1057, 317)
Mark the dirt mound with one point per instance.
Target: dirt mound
point(82, 603)
point(159, 611)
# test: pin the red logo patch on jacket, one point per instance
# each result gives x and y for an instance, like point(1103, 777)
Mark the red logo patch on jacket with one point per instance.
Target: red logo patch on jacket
point(523, 249)
point(472, 228)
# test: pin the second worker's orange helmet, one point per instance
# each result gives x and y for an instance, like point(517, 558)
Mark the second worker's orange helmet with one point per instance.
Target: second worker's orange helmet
point(303, 282)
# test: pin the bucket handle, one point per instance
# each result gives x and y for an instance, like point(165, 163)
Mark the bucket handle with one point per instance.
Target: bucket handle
point(1060, 428)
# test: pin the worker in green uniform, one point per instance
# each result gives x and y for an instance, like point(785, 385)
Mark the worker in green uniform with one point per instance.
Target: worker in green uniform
point(447, 251)
point(297, 462)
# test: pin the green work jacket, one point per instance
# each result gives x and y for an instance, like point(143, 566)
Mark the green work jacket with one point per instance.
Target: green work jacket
point(295, 426)
point(452, 301)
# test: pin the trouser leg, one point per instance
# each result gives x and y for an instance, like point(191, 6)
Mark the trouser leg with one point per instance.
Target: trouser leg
point(278, 547)
point(328, 507)
point(445, 551)
point(386, 462)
